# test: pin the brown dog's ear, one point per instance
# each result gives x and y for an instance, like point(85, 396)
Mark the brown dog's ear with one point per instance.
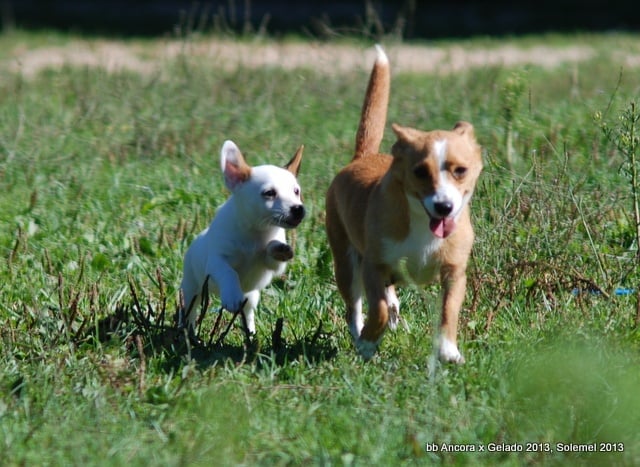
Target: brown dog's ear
point(403, 133)
point(465, 129)
point(293, 165)
point(236, 171)
point(406, 136)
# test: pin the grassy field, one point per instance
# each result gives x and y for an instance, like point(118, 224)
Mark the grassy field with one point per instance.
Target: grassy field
point(105, 177)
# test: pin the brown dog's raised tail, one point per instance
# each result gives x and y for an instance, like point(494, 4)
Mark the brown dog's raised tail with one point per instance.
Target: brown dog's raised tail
point(374, 109)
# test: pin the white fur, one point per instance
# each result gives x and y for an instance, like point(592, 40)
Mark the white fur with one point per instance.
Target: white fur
point(420, 239)
point(448, 351)
point(381, 57)
point(357, 320)
point(245, 246)
point(445, 191)
point(393, 307)
point(440, 150)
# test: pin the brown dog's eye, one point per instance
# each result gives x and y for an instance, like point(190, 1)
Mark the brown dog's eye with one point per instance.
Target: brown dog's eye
point(421, 172)
point(269, 194)
point(459, 172)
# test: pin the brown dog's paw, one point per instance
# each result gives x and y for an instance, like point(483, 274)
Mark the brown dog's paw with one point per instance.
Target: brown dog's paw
point(449, 352)
point(280, 251)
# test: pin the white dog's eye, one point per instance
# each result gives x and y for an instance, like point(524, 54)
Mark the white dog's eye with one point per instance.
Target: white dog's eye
point(269, 194)
point(296, 191)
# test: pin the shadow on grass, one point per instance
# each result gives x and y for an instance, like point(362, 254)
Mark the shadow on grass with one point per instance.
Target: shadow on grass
point(313, 347)
point(149, 330)
point(154, 336)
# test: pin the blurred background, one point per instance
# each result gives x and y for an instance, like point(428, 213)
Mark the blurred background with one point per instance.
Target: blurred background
point(409, 19)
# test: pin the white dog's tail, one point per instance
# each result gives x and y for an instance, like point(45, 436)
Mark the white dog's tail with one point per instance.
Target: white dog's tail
point(373, 117)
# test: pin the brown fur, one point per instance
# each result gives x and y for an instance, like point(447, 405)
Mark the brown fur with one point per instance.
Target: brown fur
point(371, 212)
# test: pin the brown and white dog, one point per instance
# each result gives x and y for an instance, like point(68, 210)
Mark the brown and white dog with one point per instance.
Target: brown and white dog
point(409, 207)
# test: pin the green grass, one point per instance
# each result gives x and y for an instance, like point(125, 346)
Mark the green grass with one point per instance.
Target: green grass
point(105, 179)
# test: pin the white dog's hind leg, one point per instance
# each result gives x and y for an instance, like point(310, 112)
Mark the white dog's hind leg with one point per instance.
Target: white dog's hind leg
point(251, 304)
point(190, 304)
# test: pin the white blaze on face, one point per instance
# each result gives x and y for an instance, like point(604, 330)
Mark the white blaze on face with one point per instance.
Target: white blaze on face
point(440, 150)
point(445, 192)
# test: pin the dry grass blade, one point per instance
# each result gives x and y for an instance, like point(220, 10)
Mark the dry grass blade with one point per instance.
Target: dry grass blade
point(138, 314)
point(204, 303)
point(143, 364)
point(239, 311)
point(163, 298)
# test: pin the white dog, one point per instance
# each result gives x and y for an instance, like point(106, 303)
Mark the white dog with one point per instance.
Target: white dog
point(245, 245)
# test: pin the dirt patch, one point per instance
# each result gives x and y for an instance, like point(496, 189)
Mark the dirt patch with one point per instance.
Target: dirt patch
point(115, 56)
point(112, 56)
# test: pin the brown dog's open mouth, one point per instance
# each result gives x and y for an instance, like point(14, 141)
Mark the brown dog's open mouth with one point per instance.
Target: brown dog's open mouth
point(443, 227)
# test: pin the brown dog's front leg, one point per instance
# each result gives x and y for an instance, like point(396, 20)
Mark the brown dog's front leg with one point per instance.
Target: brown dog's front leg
point(374, 279)
point(454, 281)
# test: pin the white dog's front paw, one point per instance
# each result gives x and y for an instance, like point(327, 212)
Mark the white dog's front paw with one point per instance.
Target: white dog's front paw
point(448, 352)
point(279, 251)
point(232, 300)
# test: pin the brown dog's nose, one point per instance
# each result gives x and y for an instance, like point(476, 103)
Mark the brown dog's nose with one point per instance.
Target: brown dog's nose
point(443, 208)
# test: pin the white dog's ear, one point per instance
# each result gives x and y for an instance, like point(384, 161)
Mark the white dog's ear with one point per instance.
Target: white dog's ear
point(234, 167)
point(293, 165)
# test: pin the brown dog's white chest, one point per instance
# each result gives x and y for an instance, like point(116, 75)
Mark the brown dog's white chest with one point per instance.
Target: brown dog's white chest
point(418, 252)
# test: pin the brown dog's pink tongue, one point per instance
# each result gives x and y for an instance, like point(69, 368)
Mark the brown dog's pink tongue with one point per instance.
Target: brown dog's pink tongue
point(442, 227)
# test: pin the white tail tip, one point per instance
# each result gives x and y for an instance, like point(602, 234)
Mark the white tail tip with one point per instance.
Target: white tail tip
point(382, 57)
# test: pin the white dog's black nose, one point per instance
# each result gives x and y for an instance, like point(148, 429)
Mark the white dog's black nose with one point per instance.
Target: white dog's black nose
point(297, 212)
point(443, 208)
